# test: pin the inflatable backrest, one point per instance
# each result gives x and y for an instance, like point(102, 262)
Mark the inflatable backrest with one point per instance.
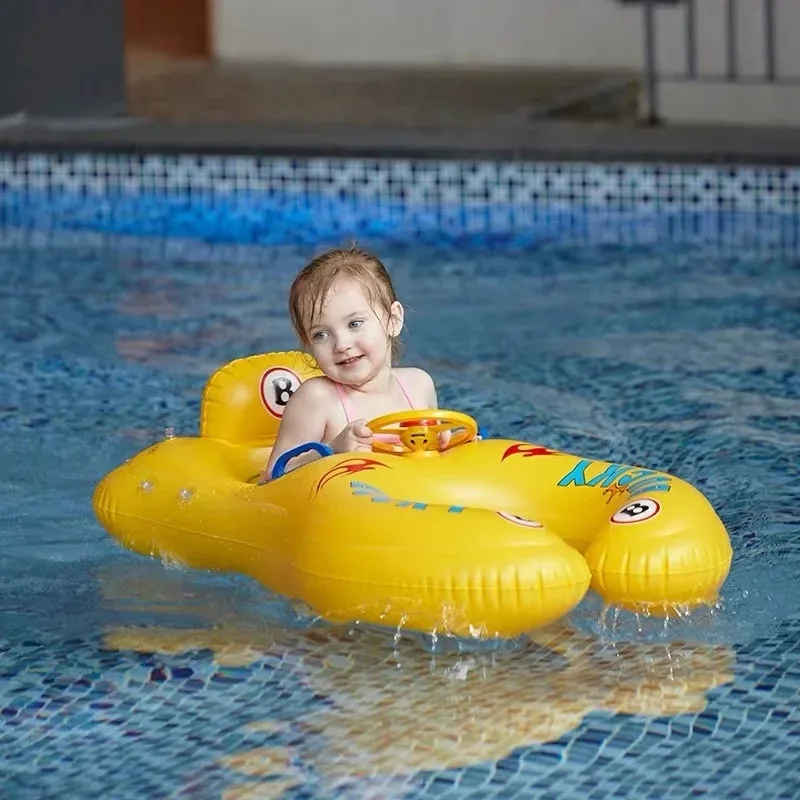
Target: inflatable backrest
point(243, 401)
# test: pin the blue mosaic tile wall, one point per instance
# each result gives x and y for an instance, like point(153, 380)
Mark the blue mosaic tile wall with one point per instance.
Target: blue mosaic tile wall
point(283, 200)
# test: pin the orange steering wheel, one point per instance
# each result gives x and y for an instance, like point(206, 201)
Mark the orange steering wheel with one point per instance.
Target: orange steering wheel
point(418, 431)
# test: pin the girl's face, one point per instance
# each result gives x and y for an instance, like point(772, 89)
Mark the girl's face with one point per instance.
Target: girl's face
point(352, 339)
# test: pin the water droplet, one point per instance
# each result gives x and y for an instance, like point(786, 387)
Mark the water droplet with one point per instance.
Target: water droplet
point(398, 634)
point(477, 631)
point(745, 593)
point(185, 495)
point(169, 433)
point(147, 486)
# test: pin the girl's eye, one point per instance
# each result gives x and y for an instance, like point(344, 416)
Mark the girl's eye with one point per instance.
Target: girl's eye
point(319, 336)
point(356, 323)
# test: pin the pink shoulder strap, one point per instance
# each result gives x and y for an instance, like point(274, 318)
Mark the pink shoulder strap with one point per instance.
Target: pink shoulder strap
point(403, 390)
point(346, 407)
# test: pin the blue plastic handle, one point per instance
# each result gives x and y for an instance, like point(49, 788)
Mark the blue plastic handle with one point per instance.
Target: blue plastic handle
point(279, 467)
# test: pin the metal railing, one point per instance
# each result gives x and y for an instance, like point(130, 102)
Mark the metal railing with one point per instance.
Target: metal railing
point(691, 72)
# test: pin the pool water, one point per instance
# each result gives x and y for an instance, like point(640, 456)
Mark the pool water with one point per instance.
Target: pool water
point(123, 677)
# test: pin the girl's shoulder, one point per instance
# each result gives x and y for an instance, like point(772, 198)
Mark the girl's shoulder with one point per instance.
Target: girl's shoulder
point(416, 381)
point(316, 388)
point(316, 398)
point(412, 374)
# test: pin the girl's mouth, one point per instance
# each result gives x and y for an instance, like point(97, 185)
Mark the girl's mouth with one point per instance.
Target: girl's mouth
point(348, 361)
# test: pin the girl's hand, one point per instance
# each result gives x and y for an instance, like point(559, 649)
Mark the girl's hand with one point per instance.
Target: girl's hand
point(355, 437)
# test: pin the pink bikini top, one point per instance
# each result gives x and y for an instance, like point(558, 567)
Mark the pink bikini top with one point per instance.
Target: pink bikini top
point(348, 408)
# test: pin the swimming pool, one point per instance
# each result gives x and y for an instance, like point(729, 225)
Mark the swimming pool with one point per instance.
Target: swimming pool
point(656, 331)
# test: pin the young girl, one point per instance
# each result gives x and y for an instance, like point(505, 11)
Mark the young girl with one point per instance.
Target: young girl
point(345, 311)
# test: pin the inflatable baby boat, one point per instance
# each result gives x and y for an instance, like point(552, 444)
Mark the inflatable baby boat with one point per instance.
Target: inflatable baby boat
point(483, 538)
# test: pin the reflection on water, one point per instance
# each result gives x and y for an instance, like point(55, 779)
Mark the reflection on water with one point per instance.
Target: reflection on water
point(386, 709)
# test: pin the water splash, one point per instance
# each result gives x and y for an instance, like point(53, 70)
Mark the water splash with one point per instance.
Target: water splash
point(677, 621)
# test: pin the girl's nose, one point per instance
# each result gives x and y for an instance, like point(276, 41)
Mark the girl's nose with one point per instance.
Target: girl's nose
point(342, 342)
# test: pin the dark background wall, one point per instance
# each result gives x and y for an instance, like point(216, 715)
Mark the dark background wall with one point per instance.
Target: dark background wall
point(62, 58)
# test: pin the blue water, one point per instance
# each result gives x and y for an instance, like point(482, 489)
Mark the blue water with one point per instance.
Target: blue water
point(122, 677)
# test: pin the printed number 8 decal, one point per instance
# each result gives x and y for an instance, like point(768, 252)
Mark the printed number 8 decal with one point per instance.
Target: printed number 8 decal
point(636, 511)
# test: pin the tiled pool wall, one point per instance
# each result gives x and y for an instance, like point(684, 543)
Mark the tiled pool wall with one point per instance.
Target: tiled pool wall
point(269, 200)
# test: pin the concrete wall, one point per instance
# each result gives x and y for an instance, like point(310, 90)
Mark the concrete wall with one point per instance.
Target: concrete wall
point(466, 32)
point(530, 33)
point(61, 59)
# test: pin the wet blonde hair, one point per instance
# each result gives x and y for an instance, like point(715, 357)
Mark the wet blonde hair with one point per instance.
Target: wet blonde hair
point(311, 286)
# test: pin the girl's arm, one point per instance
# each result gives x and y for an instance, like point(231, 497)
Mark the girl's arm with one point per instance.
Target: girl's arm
point(304, 420)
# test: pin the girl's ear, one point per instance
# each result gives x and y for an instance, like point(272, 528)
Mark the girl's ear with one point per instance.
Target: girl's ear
point(396, 317)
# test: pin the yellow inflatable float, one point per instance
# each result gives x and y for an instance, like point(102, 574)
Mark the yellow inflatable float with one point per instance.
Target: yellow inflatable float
point(486, 538)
